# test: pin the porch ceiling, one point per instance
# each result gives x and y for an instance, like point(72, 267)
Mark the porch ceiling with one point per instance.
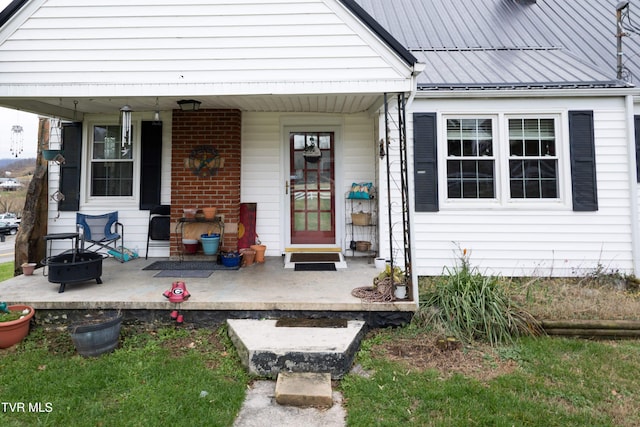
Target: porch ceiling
point(66, 108)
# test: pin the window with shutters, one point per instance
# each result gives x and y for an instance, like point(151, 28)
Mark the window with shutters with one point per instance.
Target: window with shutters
point(502, 158)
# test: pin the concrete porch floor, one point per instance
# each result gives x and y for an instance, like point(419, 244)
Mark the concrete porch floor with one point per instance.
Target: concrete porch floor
point(253, 291)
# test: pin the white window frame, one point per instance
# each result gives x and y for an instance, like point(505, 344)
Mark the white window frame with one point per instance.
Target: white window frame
point(109, 201)
point(500, 127)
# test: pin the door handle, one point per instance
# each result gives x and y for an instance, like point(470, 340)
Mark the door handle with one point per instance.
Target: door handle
point(286, 187)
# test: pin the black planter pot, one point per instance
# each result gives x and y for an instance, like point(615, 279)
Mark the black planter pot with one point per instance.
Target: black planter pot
point(96, 336)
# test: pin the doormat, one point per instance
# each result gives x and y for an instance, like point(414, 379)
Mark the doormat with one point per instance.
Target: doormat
point(315, 266)
point(188, 265)
point(184, 273)
point(315, 257)
point(324, 322)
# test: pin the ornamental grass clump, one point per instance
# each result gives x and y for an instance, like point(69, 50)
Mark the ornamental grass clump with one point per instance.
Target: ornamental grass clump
point(470, 306)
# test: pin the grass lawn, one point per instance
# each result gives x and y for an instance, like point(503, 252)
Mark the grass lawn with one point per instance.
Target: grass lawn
point(168, 377)
point(535, 382)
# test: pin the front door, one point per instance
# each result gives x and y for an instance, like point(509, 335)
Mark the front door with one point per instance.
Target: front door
point(312, 189)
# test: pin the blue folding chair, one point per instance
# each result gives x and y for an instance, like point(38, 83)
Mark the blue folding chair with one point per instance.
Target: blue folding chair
point(100, 230)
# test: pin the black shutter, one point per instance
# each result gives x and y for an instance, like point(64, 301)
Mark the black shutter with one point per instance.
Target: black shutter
point(636, 123)
point(151, 160)
point(583, 161)
point(425, 163)
point(70, 169)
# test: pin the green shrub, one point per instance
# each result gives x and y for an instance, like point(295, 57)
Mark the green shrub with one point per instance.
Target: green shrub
point(467, 305)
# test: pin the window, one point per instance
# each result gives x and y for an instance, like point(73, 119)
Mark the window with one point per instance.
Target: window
point(533, 165)
point(111, 163)
point(479, 164)
point(531, 162)
point(470, 162)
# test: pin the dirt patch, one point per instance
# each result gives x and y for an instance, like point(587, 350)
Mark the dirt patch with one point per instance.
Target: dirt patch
point(424, 352)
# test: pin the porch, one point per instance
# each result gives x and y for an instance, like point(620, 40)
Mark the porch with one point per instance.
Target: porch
point(257, 291)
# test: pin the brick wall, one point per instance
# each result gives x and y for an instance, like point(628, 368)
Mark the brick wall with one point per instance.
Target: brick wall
point(221, 130)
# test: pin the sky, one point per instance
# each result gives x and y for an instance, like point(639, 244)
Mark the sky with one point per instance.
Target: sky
point(10, 118)
point(29, 135)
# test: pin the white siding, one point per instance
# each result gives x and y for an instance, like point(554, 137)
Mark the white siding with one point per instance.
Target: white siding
point(264, 147)
point(522, 240)
point(242, 43)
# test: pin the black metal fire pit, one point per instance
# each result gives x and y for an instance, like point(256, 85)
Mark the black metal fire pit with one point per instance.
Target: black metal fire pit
point(74, 267)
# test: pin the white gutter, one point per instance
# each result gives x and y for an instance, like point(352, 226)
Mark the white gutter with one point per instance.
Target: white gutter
point(633, 185)
point(525, 93)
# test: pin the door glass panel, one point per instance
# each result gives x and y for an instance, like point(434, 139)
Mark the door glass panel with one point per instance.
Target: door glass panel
point(312, 197)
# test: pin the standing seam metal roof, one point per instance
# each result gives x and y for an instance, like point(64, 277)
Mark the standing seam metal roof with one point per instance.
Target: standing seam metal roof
point(509, 43)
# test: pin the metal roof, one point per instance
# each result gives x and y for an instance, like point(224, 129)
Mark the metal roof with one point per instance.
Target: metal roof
point(508, 69)
point(510, 43)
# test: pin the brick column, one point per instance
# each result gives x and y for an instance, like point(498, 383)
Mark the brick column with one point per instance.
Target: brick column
point(220, 130)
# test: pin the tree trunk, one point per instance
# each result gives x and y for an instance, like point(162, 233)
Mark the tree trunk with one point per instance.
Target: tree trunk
point(29, 243)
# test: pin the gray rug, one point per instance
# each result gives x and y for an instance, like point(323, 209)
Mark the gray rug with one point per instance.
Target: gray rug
point(188, 265)
point(184, 273)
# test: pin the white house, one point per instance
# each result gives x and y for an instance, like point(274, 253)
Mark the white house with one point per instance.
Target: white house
point(504, 129)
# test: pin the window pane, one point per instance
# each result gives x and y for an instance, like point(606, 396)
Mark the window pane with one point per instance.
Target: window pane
point(470, 179)
point(325, 141)
point(312, 221)
point(454, 148)
point(312, 200)
point(298, 221)
point(112, 179)
point(325, 221)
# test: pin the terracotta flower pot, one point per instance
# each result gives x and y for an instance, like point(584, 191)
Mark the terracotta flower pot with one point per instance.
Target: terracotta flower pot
point(209, 213)
point(28, 267)
point(260, 250)
point(14, 331)
point(248, 256)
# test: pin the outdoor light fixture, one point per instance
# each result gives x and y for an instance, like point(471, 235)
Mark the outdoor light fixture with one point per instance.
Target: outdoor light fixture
point(126, 125)
point(156, 115)
point(189, 104)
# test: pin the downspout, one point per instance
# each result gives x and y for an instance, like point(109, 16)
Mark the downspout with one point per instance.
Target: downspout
point(633, 185)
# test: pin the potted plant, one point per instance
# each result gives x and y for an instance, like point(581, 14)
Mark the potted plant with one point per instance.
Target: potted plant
point(392, 280)
point(14, 323)
point(96, 334)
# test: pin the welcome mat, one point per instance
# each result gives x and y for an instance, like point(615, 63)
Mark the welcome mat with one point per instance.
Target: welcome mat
point(188, 265)
point(315, 266)
point(315, 257)
point(184, 273)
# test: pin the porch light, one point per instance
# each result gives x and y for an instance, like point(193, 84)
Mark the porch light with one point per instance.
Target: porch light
point(189, 104)
point(126, 125)
point(156, 115)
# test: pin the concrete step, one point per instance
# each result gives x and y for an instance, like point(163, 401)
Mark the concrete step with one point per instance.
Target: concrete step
point(304, 389)
point(266, 350)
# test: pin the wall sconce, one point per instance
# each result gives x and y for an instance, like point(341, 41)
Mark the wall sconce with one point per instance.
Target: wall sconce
point(381, 149)
point(126, 125)
point(189, 104)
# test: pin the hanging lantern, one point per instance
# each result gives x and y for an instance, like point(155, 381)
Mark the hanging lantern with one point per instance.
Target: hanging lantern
point(126, 126)
point(311, 152)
